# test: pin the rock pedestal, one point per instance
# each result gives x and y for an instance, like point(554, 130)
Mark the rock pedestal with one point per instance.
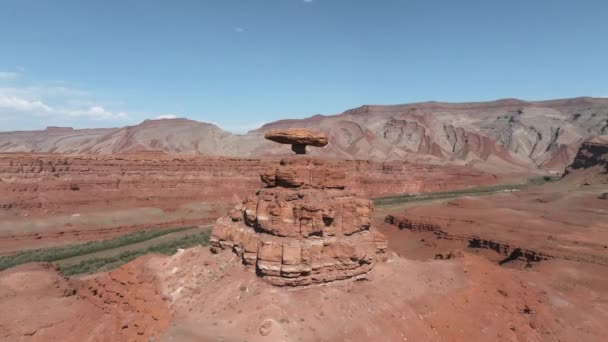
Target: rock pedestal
point(298, 138)
point(303, 227)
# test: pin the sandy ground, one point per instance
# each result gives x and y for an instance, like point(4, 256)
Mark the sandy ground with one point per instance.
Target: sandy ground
point(410, 296)
point(405, 299)
point(213, 298)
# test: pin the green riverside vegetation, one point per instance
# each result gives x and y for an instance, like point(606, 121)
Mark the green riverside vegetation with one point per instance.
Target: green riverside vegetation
point(113, 257)
point(64, 252)
point(95, 264)
point(478, 191)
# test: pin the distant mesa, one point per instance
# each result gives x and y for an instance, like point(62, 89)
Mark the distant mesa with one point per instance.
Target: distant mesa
point(58, 129)
point(299, 138)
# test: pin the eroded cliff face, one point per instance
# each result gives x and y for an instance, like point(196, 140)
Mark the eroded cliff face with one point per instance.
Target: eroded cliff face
point(591, 162)
point(590, 155)
point(43, 184)
point(47, 184)
point(303, 228)
point(505, 134)
point(556, 221)
point(48, 199)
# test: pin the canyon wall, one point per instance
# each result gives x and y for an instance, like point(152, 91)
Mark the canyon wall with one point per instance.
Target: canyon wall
point(39, 184)
point(48, 199)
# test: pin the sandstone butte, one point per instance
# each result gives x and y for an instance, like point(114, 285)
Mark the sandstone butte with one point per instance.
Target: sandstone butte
point(303, 228)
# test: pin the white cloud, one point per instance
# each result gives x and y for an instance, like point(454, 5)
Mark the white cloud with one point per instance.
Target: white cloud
point(97, 113)
point(239, 30)
point(51, 99)
point(166, 116)
point(308, 1)
point(22, 105)
point(8, 75)
point(35, 105)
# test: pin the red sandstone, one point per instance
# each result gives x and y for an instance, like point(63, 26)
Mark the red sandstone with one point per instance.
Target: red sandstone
point(303, 228)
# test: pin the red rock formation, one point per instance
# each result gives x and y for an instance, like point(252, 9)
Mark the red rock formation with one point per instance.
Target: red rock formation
point(39, 304)
point(64, 182)
point(79, 182)
point(130, 297)
point(40, 193)
point(303, 228)
point(550, 222)
point(297, 136)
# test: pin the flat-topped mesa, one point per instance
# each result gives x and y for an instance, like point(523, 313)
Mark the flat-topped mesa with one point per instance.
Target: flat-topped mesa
point(303, 228)
point(299, 138)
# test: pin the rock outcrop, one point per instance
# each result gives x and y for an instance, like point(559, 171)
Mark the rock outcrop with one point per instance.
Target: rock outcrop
point(590, 166)
point(531, 225)
point(298, 138)
point(303, 227)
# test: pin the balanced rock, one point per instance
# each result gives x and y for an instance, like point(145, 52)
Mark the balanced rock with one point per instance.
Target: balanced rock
point(299, 138)
point(303, 227)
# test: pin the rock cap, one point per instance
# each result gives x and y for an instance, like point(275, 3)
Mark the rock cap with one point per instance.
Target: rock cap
point(297, 136)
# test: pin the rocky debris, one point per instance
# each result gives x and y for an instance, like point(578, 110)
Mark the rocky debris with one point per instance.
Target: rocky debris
point(303, 228)
point(438, 228)
point(130, 297)
point(298, 138)
point(266, 328)
point(122, 305)
point(451, 255)
point(604, 196)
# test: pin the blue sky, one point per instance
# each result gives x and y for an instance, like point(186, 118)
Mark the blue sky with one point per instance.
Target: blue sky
point(242, 63)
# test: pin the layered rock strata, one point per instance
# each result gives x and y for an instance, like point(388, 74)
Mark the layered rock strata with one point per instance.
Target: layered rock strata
point(39, 193)
point(73, 183)
point(303, 227)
